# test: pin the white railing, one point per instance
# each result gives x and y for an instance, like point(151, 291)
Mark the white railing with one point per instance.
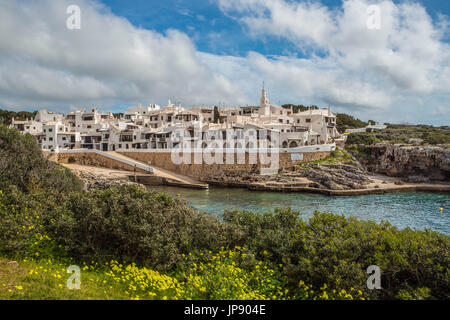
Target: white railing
point(302, 149)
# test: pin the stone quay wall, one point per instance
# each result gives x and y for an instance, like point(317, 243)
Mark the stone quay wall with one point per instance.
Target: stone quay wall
point(203, 170)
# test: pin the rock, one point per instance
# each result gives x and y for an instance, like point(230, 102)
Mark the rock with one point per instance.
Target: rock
point(329, 176)
point(336, 176)
point(96, 181)
point(13, 264)
point(398, 160)
point(418, 179)
point(415, 141)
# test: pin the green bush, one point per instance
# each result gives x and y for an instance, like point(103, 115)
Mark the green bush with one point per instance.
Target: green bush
point(23, 165)
point(334, 250)
point(24, 224)
point(362, 138)
point(402, 134)
point(345, 121)
point(134, 225)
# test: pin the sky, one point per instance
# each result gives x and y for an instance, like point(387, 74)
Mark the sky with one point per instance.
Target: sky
point(218, 52)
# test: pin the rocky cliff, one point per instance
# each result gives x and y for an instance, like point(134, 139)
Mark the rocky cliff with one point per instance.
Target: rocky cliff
point(415, 163)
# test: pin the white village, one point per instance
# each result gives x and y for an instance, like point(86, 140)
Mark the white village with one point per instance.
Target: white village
point(155, 128)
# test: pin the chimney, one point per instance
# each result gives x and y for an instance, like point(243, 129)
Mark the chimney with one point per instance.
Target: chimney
point(329, 110)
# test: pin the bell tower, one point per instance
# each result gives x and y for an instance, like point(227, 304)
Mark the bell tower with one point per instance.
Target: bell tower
point(264, 102)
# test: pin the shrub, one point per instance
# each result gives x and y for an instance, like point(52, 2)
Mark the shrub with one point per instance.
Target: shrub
point(22, 164)
point(402, 134)
point(345, 121)
point(362, 138)
point(24, 224)
point(229, 275)
point(334, 250)
point(131, 224)
point(71, 159)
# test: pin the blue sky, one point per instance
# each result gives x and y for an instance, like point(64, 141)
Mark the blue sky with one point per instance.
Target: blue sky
point(215, 32)
point(218, 52)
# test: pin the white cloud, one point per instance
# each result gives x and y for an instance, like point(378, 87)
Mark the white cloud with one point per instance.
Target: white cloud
point(396, 73)
point(354, 66)
point(42, 62)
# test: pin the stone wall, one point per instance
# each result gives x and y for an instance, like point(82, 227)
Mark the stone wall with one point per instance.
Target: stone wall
point(97, 160)
point(52, 156)
point(204, 170)
point(431, 162)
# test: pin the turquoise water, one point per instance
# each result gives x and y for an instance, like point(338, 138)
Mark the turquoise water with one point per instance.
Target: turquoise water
point(417, 210)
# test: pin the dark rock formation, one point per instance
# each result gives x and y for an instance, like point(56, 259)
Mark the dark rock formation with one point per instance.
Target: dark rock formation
point(336, 176)
point(330, 176)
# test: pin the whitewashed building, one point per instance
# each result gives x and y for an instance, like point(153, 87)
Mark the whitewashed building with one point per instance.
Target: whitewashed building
point(153, 127)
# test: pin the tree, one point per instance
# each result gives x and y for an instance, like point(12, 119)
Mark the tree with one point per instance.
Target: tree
point(345, 121)
point(216, 115)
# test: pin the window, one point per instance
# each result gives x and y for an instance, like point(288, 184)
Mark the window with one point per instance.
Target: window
point(50, 139)
point(50, 130)
point(308, 120)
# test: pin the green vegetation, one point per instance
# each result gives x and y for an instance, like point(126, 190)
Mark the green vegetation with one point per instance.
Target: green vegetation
point(135, 244)
point(420, 134)
point(6, 116)
point(299, 107)
point(216, 115)
point(337, 156)
point(345, 121)
point(23, 166)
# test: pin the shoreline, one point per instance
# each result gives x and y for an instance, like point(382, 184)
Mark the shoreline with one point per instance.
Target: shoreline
point(355, 192)
point(381, 185)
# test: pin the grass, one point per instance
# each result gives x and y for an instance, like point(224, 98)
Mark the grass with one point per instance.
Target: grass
point(213, 277)
point(46, 280)
point(336, 157)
